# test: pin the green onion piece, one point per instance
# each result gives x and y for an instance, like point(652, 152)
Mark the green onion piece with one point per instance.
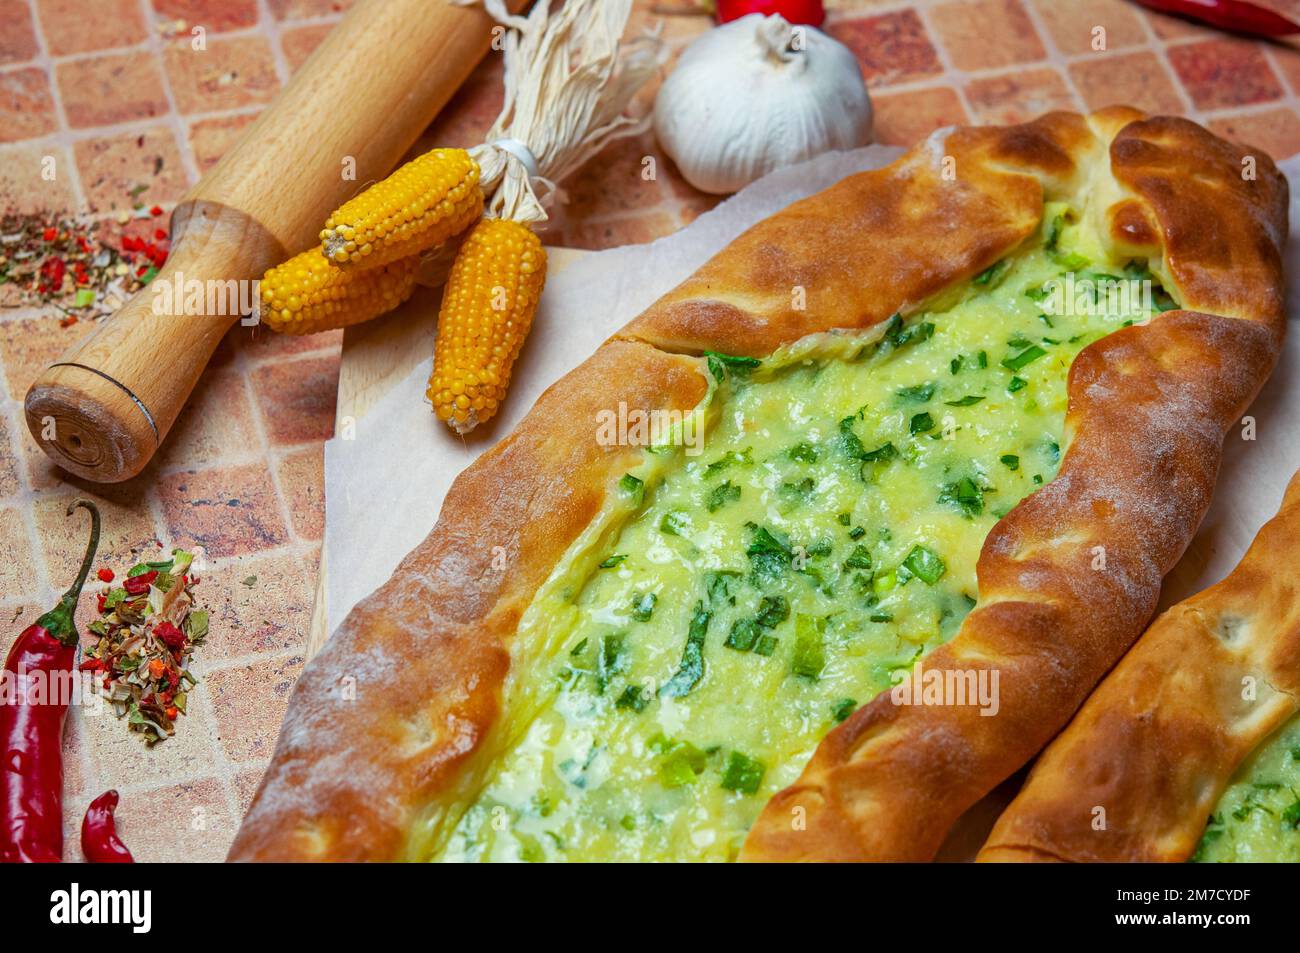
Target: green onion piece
point(643, 606)
point(841, 709)
point(1010, 461)
point(925, 565)
point(675, 523)
point(611, 561)
point(809, 646)
point(1027, 356)
point(690, 672)
point(860, 558)
point(743, 774)
point(921, 422)
point(633, 487)
point(917, 393)
point(766, 645)
point(967, 401)
point(634, 698)
point(682, 763)
point(1017, 383)
point(722, 494)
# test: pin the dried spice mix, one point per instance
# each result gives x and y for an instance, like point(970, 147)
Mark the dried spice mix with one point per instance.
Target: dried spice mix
point(147, 631)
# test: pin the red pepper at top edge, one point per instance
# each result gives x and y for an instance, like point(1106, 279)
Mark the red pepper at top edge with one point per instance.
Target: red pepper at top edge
point(31, 725)
point(1240, 16)
point(139, 585)
point(811, 12)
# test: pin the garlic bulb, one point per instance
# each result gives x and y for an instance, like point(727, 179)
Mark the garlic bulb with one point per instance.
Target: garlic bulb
point(756, 94)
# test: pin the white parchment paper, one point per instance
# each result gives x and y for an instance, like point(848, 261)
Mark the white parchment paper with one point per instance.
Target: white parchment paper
point(384, 487)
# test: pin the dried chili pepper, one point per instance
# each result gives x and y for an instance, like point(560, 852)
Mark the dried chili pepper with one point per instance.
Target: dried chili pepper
point(31, 725)
point(1240, 16)
point(99, 840)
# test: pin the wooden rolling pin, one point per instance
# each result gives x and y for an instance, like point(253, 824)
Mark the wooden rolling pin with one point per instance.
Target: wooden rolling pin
point(373, 85)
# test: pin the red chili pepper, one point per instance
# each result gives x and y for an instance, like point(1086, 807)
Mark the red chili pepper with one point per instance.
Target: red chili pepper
point(31, 725)
point(139, 585)
point(1240, 16)
point(156, 211)
point(50, 233)
point(170, 636)
point(105, 574)
point(99, 840)
point(811, 12)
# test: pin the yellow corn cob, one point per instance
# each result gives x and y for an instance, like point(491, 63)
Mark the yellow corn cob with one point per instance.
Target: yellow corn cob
point(422, 204)
point(307, 294)
point(487, 309)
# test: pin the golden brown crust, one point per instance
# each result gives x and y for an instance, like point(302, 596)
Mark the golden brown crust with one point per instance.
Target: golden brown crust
point(1136, 773)
point(1148, 409)
point(428, 652)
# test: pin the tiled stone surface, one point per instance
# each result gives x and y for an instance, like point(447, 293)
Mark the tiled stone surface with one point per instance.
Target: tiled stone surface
point(115, 92)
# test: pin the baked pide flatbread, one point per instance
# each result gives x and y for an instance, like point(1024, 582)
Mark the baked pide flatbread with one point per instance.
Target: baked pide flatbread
point(889, 425)
point(1190, 748)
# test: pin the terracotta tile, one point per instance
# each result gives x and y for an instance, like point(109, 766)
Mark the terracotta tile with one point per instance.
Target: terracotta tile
point(249, 702)
point(1224, 72)
point(302, 481)
point(1018, 97)
point(298, 43)
point(269, 616)
point(614, 180)
point(216, 424)
point(17, 568)
point(229, 74)
point(128, 531)
point(903, 119)
point(624, 231)
point(891, 48)
point(74, 26)
point(18, 38)
point(23, 187)
point(1276, 131)
point(303, 9)
point(984, 34)
point(122, 759)
point(1169, 27)
point(246, 782)
point(1287, 62)
point(112, 166)
point(1132, 79)
point(213, 17)
point(229, 511)
point(26, 347)
point(10, 476)
point(469, 113)
point(42, 472)
point(190, 821)
point(298, 398)
point(210, 139)
point(680, 19)
point(694, 203)
point(110, 89)
point(26, 105)
point(1072, 25)
point(79, 774)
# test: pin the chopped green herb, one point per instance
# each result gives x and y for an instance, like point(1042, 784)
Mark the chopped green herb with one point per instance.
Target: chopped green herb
point(720, 363)
point(633, 487)
point(675, 523)
point(1010, 461)
point(722, 494)
point(609, 562)
point(925, 565)
point(803, 452)
point(766, 645)
point(917, 393)
point(965, 495)
point(860, 558)
point(682, 763)
point(634, 698)
point(643, 606)
point(993, 271)
point(1025, 357)
point(1017, 383)
point(841, 709)
point(921, 422)
point(967, 401)
point(809, 646)
point(743, 774)
point(857, 532)
point(744, 633)
point(691, 670)
point(610, 661)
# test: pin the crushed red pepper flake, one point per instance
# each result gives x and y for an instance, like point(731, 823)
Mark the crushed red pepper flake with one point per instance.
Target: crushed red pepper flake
point(73, 264)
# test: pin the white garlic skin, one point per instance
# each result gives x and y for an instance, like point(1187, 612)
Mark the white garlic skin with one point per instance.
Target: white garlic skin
point(743, 102)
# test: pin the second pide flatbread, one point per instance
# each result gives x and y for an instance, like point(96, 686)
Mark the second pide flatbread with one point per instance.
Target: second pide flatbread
point(1198, 722)
point(889, 425)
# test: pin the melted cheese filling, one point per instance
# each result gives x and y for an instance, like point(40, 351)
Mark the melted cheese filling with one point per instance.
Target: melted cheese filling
point(1258, 817)
point(731, 608)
